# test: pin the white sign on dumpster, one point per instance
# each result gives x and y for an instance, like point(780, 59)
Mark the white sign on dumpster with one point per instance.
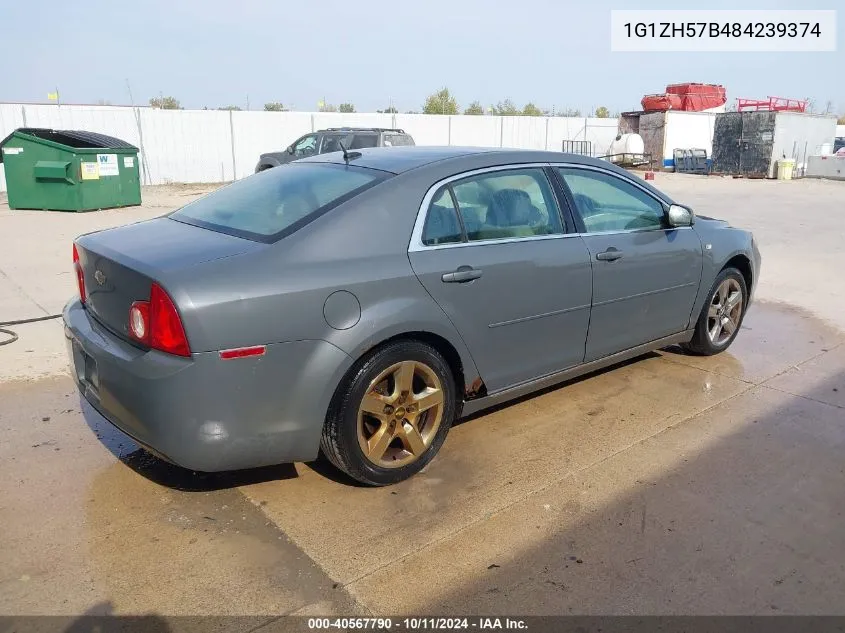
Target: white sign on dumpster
point(108, 165)
point(89, 171)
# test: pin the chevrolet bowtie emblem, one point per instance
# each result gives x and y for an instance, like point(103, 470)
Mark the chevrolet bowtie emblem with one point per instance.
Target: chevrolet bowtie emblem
point(99, 277)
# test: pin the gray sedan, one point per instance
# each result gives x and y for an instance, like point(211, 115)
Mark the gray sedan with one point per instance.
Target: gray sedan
point(357, 304)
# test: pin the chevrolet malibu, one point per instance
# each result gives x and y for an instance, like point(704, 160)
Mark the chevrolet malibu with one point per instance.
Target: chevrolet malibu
point(358, 303)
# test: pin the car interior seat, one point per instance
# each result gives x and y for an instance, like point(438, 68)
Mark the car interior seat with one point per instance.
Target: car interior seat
point(442, 226)
point(511, 214)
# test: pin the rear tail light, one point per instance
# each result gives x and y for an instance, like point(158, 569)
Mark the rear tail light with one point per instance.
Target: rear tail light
point(157, 323)
point(80, 277)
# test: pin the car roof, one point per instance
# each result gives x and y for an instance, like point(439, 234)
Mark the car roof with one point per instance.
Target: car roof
point(400, 159)
point(392, 130)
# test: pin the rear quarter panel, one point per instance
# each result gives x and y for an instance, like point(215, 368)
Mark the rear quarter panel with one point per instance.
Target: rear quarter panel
point(279, 294)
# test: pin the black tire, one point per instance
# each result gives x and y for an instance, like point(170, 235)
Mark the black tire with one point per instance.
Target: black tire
point(701, 343)
point(339, 441)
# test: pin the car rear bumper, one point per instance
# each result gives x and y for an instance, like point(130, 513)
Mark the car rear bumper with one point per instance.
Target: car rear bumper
point(202, 412)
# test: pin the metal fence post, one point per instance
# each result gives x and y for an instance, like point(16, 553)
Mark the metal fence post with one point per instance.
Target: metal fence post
point(23, 115)
point(232, 139)
point(449, 133)
point(501, 131)
point(547, 133)
point(145, 166)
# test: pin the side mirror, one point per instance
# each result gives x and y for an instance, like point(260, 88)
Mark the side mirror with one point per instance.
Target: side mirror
point(289, 150)
point(680, 216)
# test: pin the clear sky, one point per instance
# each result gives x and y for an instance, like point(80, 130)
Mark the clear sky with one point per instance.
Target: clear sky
point(221, 52)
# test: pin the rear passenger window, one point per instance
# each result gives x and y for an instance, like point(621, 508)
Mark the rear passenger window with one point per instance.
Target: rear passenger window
point(441, 223)
point(507, 204)
point(360, 141)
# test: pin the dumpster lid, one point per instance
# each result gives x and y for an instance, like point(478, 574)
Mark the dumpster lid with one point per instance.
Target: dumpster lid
point(72, 138)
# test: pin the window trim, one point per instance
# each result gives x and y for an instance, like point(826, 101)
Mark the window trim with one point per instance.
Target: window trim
point(416, 244)
point(576, 214)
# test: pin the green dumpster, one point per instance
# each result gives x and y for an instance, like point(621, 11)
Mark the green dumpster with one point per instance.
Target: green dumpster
point(69, 170)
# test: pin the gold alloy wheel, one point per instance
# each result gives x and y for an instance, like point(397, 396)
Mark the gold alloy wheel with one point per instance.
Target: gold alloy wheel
point(399, 414)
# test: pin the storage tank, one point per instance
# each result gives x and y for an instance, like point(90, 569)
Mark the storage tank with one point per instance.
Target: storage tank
point(627, 148)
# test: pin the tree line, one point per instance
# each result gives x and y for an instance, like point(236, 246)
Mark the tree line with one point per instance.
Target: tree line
point(440, 102)
point(444, 102)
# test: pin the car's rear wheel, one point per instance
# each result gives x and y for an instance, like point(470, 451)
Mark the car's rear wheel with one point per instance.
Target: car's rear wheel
point(722, 314)
point(391, 415)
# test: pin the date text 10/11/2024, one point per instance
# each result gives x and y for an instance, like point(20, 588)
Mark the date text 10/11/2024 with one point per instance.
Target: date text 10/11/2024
point(417, 624)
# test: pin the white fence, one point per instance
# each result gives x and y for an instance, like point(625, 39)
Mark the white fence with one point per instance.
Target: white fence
point(216, 146)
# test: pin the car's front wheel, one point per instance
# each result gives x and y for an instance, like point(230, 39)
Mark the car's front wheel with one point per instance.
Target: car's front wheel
point(722, 314)
point(391, 415)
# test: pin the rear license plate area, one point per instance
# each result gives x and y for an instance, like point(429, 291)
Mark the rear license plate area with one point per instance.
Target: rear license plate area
point(85, 366)
point(91, 376)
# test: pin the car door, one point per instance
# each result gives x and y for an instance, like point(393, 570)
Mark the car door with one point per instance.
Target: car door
point(645, 273)
point(491, 249)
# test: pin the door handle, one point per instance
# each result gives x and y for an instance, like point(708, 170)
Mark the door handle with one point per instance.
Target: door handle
point(462, 275)
point(610, 255)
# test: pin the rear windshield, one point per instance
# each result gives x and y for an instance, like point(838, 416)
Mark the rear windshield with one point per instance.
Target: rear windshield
point(276, 202)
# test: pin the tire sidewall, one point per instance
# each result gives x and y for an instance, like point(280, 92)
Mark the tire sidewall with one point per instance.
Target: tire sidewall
point(347, 430)
point(731, 273)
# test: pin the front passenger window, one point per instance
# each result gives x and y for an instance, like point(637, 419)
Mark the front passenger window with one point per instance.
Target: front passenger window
point(608, 203)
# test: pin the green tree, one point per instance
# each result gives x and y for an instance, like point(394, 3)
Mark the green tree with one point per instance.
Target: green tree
point(275, 106)
point(841, 120)
point(569, 112)
point(441, 102)
point(328, 107)
point(474, 108)
point(165, 103)
point(346, 108)
point(234, 108)
point(388, 110)
point(602, 112)
point(506, 108)
point(531, 110)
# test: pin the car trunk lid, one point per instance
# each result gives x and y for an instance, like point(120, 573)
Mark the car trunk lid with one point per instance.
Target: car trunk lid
point(119, 265)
